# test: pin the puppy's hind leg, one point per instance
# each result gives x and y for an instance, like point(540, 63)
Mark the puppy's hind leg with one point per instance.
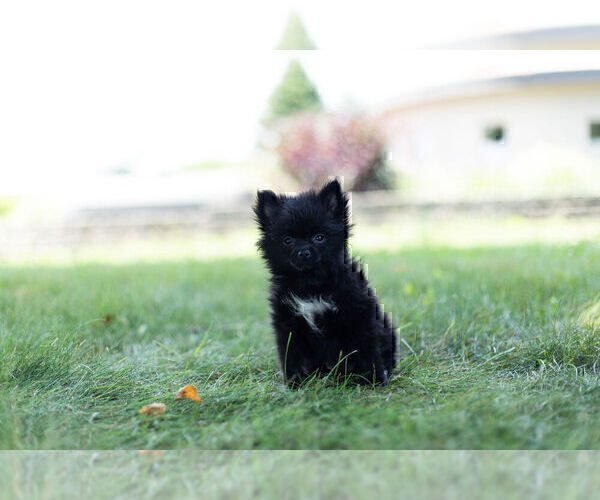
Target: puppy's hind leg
point(370, 364)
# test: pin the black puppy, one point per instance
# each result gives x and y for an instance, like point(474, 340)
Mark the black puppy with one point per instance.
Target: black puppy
point(323, 312)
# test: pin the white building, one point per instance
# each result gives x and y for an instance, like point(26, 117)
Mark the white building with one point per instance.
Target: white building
point(536, 121)
point(538, 126)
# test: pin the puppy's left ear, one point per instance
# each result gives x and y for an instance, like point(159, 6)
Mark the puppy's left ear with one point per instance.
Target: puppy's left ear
point(334, 198)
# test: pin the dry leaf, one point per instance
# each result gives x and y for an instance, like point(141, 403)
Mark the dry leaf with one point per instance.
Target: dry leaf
point(152, 453)
point(108, 318)
point(153, 409)
point(188, 392)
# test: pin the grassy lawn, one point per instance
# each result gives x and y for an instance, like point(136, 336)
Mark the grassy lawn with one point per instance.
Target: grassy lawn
point(498, 350)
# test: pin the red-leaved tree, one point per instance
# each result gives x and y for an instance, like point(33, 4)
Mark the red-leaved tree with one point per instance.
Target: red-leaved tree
point(314, 147)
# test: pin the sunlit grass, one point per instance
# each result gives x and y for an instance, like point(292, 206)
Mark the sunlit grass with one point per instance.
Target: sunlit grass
point(6, 205)
point(590, 315)
point(458, 232)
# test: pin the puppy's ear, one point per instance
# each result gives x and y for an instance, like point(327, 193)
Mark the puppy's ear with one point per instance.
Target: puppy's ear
point(334, 198)
point(267, 207)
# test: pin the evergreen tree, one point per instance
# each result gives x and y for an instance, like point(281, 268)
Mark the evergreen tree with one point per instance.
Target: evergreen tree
point(295, 36)
point(294, 93)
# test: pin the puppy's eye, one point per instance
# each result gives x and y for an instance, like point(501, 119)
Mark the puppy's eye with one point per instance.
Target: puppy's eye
point(319, 238)
point(288, 240)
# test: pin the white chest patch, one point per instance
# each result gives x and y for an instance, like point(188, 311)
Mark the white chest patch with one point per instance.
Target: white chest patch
point(309, 308)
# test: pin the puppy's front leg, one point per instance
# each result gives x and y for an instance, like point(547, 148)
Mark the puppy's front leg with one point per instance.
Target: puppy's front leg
point(292, 356)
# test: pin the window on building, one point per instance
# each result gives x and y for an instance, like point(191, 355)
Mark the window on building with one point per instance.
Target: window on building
point(595, 131)
point(495, 134)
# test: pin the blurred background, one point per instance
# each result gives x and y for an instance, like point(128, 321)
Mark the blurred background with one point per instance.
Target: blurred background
point(124, 122)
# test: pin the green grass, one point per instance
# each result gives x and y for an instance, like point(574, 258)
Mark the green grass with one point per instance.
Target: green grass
point(499, 350)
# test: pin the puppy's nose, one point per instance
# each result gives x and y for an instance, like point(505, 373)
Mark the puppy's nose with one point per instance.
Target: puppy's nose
point(304, 254)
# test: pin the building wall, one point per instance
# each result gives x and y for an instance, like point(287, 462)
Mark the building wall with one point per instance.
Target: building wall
point(545, 128)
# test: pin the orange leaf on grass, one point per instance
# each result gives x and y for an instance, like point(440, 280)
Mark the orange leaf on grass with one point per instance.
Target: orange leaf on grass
point(153, 409)
point(188, 392)
point(152, 453)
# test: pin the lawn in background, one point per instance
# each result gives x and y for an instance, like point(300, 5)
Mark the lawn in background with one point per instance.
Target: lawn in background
point(498, 349)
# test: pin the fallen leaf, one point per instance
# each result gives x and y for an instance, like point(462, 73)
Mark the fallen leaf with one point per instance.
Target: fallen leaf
point(188, 392)
point(152, 453)
point(108, 318)
point(153, 409)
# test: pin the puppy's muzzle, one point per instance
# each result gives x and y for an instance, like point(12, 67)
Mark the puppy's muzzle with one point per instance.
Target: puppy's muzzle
point(304, 255)
point(304, 259)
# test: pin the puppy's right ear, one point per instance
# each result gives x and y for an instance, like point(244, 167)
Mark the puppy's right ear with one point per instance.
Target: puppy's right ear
point(267, 207)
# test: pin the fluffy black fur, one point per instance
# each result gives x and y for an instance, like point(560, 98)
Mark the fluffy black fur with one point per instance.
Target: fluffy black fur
point(304, 241)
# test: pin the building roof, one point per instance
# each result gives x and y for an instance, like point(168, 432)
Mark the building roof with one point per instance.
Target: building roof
point(563, 37)
point(534, 79)
point(496, 85)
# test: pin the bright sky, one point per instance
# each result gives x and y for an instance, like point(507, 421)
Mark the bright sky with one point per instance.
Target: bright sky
point(159, 85)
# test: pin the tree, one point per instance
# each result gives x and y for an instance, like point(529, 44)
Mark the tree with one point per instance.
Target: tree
point(294, 93)
point(314, 147)
point(295, 36)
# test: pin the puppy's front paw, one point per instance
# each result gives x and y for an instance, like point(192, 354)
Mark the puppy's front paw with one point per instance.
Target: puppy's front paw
point(381, 376)
point(293, 381)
